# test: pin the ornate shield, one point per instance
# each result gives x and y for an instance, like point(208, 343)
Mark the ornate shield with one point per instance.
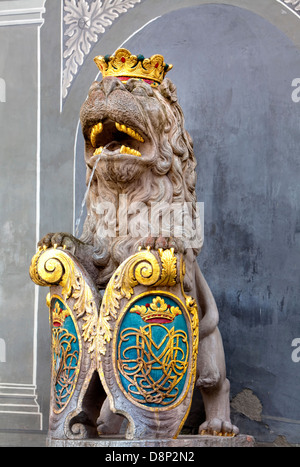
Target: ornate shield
point(147, 341)
point(66, 353)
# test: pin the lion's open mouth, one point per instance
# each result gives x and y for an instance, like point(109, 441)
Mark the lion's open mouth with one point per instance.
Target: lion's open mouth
point(114, 138)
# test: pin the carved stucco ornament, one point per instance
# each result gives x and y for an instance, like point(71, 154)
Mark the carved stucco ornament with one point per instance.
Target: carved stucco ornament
point(293, 5)
point(83, 22)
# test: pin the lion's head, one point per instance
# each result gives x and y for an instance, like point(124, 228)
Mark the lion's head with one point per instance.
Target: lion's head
point(138, 155)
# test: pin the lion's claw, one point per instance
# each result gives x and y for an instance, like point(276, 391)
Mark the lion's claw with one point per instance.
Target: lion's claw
point(218, 427)
point(58, 240)
point(161, 243)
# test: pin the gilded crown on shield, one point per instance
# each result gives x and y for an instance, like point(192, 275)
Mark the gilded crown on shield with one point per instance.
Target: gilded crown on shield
point(157, 311)
point(59, 315)
point(124, 65)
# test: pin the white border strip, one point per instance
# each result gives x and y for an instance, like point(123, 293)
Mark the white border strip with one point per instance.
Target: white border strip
point(61, 54)
point(38, 198)
point(21, 22)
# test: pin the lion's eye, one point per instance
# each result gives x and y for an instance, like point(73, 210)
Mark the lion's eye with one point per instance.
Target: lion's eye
point(142, 90)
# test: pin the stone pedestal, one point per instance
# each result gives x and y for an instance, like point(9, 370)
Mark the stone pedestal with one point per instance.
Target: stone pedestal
point(183, 441)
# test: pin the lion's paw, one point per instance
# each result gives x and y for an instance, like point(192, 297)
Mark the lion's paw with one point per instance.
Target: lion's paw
point(58, 240)
point(218, 427)
point(164, 243)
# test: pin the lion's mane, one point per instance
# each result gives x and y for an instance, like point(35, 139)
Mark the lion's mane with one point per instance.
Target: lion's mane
point(171, 179)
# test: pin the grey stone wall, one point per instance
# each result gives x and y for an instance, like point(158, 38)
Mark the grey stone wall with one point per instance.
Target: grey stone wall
point(234, 65)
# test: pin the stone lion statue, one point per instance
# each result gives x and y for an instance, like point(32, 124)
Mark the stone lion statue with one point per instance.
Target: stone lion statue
point(139, 156)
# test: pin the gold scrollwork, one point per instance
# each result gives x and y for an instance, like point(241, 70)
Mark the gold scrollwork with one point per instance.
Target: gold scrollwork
point(54, 266)
point(141, 268)
point(65, 366)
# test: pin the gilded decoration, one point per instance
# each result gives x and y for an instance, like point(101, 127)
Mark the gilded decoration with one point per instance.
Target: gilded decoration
point(142, 268)
point(124, 65)
point(157, 311)
point(151, 337)
point(66, 353)
point(50, 267)
point(152, 352)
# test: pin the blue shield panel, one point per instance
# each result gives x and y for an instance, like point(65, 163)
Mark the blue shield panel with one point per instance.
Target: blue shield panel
point(152, 350)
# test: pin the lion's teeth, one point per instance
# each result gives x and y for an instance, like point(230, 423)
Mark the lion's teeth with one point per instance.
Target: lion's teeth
point(96, 130)
point(127, 150)
point(130, 132)
point(98, 151)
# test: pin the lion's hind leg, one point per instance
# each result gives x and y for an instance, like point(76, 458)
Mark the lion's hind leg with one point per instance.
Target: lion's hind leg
point(108, 423)
point(211, 368)
point(214, 387)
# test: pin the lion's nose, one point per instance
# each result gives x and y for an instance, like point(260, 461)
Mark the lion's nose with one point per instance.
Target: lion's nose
point(110, 84)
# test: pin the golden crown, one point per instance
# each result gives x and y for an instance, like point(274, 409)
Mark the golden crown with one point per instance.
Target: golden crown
point(124, 66)
point(59, 315)
point(157, 311)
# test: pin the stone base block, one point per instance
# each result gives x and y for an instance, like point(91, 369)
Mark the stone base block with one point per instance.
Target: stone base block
point(183, 441)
